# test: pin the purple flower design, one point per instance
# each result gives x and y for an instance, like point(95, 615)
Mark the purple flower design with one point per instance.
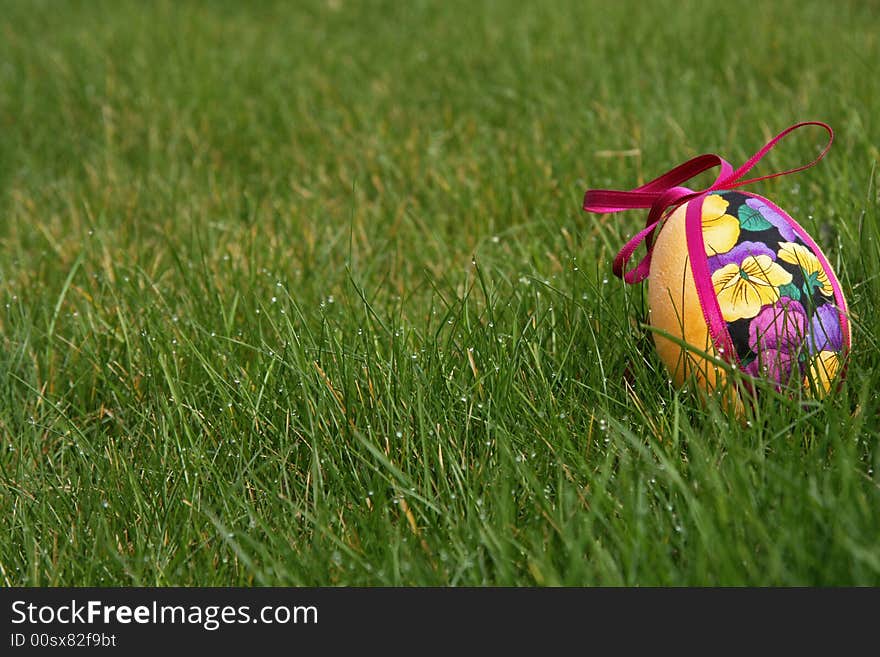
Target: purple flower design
point(739, 253)
point(825, 330)
point(781, 327)
point(774, 218)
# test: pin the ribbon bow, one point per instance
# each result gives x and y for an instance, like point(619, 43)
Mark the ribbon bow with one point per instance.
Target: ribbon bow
point(664, 194)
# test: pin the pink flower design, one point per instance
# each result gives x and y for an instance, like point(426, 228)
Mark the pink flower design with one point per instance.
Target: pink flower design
point(781, 326)
point(774, 365)
point(777, 335)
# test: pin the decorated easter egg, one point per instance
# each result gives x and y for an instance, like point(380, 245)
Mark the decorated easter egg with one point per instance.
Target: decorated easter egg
point(733, 276)
point(734, 282)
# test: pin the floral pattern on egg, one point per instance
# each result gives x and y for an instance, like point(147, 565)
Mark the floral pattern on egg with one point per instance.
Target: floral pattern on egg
point(773, 293)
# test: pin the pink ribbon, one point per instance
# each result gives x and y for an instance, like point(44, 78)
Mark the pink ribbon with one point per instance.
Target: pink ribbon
point(664, 194)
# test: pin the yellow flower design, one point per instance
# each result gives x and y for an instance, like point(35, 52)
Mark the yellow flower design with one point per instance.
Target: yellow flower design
point(720, 230)
point(798, 254)
point(823, 369)
point(743, 289)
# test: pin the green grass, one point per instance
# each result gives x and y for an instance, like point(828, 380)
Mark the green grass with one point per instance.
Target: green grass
point(303, 294)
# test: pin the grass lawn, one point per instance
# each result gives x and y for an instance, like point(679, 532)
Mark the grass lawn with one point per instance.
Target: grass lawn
point(303, 294)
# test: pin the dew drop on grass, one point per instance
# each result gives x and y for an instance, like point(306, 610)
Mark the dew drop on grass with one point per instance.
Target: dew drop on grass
point(399, 434)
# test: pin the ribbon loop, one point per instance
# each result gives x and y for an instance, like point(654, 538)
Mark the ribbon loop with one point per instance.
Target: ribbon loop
point(664, 194)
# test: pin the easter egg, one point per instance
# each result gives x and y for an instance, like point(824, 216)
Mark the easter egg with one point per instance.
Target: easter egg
point(734, 278)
